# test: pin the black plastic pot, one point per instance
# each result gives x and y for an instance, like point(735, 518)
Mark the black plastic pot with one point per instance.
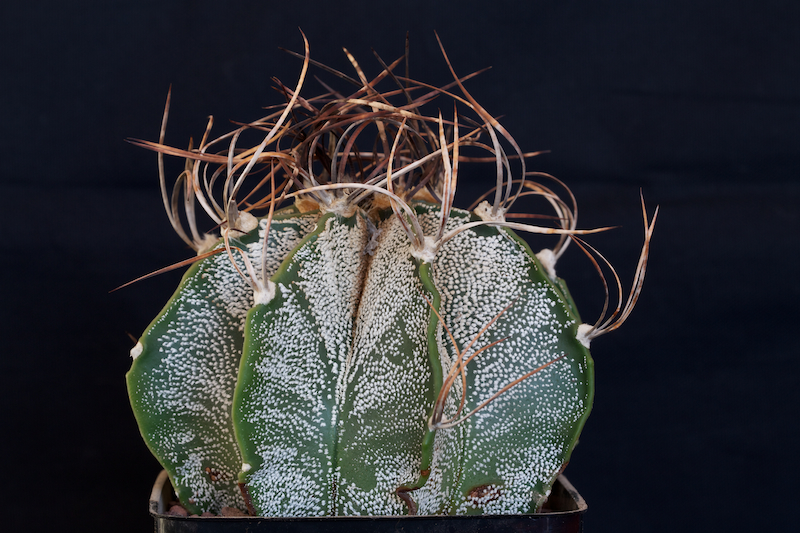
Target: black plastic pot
point(563, 514)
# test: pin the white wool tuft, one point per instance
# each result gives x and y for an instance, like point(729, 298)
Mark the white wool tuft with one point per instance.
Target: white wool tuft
point(137, 350)
point(548, 260)
point(583, 334)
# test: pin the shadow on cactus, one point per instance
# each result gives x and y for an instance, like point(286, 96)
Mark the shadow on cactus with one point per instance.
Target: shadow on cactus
point(365, 347)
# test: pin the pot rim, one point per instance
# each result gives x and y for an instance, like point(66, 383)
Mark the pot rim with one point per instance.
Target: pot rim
point(565, 493)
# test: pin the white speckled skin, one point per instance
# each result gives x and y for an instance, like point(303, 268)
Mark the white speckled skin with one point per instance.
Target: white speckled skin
point(182, 379)
point(514, 448)
point(336, 388)
point(285, 409)
point(387, 387)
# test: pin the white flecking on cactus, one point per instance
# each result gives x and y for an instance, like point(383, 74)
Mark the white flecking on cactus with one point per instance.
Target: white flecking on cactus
point(348, 341)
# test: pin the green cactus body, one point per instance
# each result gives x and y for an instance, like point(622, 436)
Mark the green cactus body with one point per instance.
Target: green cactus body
point(332, 408)
point(286, 403)
point(388, 386)
point(512, 449)
point(185, 365)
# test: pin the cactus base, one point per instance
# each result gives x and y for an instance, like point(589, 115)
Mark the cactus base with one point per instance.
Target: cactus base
point(563, 513)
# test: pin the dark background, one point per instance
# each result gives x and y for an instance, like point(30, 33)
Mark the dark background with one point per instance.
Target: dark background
point(695, 103)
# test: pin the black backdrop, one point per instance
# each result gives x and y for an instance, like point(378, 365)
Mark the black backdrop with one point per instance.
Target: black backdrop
point(695, 103)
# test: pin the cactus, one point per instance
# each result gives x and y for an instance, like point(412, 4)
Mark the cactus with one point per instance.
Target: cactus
point(370, 349)
point(185, 366)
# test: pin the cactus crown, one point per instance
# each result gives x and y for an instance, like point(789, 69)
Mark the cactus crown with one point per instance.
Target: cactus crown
point(371, 348)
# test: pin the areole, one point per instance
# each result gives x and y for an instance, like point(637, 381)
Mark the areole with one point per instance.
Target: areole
point(563, 514)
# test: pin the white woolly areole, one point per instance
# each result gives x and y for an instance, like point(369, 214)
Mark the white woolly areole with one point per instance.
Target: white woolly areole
point(246, 222)
point(208, 243)
point(583, 334)
point(341, 207)
point(428, 251)
point(548, 260)
point(484, 212)
point(137, 350)
point(264, 295)
point(246, 467)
